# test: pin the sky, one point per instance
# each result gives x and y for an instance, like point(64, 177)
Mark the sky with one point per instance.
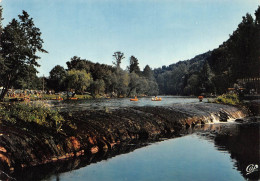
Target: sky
point(156, 32)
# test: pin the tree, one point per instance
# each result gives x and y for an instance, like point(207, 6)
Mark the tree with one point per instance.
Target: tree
point(153, 88)
point(20, 41)
point(79, 64)
point(98, 87)
point(119, 56)
point(1, 60)
point(205, 79)
point(148, 73)
point(57, 78)
point(133, 84)
point(257, 16)
point(79, 80)
point(29, 80)
point(134, 67)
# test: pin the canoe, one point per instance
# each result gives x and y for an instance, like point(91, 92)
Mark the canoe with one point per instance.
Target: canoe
point(156, 99)
point(133, 99)
point(59, 99)
point(73, 98)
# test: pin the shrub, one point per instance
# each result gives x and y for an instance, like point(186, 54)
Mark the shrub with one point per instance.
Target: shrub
point(231, 98)
point(26, 113)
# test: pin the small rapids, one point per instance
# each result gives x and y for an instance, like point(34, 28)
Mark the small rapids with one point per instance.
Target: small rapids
point(210, 113)
point(226, 116)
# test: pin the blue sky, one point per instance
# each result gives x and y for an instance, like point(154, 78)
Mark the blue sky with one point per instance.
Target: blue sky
point(157, 32)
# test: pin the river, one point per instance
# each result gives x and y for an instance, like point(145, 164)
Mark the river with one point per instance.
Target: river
point(222, 151)
point(209, 152)
point(117, 103)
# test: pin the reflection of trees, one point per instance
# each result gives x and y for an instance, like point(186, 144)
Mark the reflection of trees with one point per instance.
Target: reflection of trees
point(243, 146)
point(241, 141)
point(45, 172)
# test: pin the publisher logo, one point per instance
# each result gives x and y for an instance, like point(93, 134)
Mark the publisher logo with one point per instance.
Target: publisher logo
point(251, 168)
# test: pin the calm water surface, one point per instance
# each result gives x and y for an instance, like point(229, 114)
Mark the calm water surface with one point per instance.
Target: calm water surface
point(186, 158)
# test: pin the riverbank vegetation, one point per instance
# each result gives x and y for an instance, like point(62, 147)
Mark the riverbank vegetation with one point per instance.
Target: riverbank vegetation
point(230, 98)
point(30, 117)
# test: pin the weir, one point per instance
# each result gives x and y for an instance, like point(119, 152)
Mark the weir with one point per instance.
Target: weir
point(99, 132)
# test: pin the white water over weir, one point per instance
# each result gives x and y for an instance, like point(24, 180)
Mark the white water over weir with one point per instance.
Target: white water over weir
point(211, 113)
point(231, 116)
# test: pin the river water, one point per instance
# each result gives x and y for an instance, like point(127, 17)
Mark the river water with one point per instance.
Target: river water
point(227, 151)
point(200, 155)
point(117, 103)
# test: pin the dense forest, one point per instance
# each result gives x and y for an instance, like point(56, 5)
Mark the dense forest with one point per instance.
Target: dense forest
point(235, 63)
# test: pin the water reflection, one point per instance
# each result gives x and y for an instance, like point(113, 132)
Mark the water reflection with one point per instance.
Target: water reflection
point(210, 152)
point(242, 141)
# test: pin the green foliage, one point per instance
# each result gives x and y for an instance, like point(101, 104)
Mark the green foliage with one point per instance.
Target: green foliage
point(182, 77)
point(24, 113)
point(57, 79)
point(238, 57)
point(98, 87)
point(113, 81)
point(232, 99)
point(134, 67)
point(20, 41)
point(214, 72)
point(79, 80)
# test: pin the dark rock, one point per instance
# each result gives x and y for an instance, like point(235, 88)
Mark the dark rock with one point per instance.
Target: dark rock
point(239, 120)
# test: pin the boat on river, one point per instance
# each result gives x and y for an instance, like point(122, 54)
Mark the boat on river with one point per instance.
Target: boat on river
point(157, 99)
point(58, 98)
point(135, 99)
point(73, 98)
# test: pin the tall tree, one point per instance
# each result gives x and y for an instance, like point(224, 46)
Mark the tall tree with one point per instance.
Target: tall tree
point(20, 42)
point(57, 78)
point(118, 56)
point(148, 73)
point(1, 60)
point(134, 67)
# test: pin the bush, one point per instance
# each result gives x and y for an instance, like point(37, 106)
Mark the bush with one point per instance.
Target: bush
point(232, 99)
point(26, 113)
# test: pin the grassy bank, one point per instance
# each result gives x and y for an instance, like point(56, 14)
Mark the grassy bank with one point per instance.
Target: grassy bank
point(28, 116)
point(230, 98)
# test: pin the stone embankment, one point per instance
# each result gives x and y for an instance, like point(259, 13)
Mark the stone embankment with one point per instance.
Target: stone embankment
point(102, 131)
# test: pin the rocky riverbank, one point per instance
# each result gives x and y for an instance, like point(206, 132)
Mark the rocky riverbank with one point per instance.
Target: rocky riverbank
point(98, 132)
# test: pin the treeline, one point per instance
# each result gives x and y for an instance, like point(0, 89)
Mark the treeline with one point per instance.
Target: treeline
point(232, 64)
point(83, 76)
point(182, 78)
point(21, 41)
